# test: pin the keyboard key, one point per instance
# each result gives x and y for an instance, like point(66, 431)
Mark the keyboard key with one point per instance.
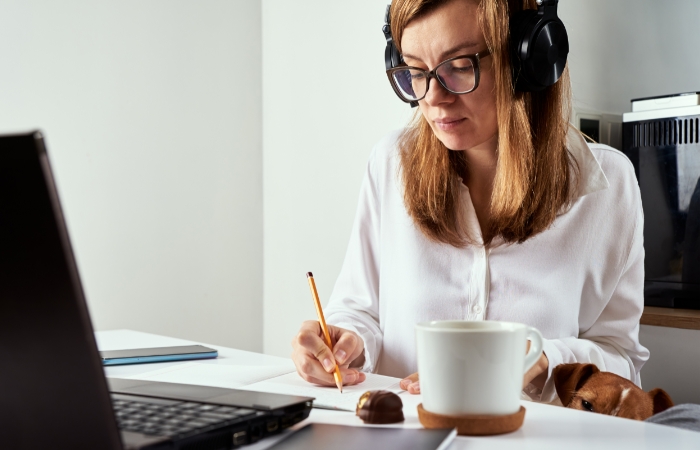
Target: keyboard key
point(226, 409)
point(173, 422)
point(189, 405)
point(218, 416)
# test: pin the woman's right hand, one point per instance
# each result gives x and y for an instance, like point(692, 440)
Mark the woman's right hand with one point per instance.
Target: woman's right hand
point(316, 363)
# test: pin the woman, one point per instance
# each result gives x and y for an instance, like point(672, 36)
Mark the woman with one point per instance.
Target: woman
point(487, 207)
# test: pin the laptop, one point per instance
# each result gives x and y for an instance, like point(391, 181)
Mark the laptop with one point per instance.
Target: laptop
point(53, 391)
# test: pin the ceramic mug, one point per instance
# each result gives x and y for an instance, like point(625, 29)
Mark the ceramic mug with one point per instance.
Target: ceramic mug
point(474, 367)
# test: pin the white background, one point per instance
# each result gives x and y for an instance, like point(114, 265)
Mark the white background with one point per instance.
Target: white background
point(209, 154)
point(152, 116)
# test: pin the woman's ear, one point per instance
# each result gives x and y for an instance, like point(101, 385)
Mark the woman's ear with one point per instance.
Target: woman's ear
point(662, 401)
point(568, 378)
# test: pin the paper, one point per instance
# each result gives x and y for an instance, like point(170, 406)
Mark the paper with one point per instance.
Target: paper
point(216, 375)
point(277, 379)
point(326, 397)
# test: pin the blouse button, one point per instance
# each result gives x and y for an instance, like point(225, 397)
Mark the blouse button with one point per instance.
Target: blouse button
point(477, 309)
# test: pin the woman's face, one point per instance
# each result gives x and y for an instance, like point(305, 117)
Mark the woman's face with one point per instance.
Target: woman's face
point(461, 122)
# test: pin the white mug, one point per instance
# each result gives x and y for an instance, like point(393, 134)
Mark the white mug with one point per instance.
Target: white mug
point(470, 367)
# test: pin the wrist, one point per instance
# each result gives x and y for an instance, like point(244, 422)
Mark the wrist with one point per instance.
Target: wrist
point(542, 369)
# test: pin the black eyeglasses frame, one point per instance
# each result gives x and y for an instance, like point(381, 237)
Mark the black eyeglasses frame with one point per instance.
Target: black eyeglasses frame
point(475, 59)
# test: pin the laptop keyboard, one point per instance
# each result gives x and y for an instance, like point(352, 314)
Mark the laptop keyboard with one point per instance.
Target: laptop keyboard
point(177, 419)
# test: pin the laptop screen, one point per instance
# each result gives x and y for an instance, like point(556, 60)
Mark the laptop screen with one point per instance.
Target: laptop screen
point(54, 394)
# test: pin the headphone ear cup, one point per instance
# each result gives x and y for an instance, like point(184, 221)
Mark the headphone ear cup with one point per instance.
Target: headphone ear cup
point(522, 25)
point(550, 48)
point(539, 47)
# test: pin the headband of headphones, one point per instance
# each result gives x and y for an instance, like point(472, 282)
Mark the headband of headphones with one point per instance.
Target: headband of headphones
point(539, 47)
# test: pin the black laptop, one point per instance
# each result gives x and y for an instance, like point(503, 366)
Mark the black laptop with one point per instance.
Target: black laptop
point(53, 392)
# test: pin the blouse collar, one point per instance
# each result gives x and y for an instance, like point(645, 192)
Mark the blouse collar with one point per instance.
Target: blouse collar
point(591, 176)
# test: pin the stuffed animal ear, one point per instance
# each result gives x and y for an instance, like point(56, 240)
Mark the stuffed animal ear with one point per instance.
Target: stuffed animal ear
point(662, 401)
point(568, 378)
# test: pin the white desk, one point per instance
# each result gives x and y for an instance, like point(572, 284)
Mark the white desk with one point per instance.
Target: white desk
point(545, 427)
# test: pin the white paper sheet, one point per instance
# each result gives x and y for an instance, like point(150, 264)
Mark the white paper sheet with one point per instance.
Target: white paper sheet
point(217, 375)
point(326, 397)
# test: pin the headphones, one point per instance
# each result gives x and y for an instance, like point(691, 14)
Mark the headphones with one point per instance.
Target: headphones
point(539, 46)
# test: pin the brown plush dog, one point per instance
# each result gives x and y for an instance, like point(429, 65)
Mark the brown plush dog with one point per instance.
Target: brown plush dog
point(584, 387)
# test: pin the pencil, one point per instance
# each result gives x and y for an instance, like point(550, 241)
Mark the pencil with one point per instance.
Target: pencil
point(324, 327)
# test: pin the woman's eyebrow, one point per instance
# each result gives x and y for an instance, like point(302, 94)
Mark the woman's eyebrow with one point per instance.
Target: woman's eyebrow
point(449, 52)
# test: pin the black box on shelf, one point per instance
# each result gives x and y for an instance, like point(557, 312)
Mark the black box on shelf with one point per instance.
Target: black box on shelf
point(664, 146)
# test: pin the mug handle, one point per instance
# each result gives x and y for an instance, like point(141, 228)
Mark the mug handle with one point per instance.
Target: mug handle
point(535, 338)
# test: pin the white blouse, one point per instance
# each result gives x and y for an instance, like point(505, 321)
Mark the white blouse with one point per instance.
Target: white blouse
point(580, 282)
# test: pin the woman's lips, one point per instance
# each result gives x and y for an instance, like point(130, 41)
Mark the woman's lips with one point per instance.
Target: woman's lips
point(448, 123)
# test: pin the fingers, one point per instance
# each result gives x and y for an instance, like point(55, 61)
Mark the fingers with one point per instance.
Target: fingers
point(310, 340)
point(409, 380)
point(348, 347)
point(414, 388)
point(411, 384)
point(352, 376)
point(311, 371)
point(315, 362)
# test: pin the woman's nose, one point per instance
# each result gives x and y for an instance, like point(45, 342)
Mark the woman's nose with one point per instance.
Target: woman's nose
point(437, 93)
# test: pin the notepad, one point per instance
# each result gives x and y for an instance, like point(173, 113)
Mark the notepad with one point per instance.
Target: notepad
point(217, 375)
point(276, 379)
point(326, 397)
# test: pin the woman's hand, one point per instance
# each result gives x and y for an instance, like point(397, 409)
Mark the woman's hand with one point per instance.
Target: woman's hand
point(316, 363)
point(537, 375)
point(411, 384)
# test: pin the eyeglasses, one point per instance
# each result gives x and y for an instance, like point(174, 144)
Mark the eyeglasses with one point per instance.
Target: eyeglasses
point(458, 75)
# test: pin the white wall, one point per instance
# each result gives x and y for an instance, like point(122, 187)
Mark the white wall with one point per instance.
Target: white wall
point(674, 364)
point(625, 49)
point(326, 101)
point(152, 116)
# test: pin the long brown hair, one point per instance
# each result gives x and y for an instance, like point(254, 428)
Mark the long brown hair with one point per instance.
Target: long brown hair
point(534, 174)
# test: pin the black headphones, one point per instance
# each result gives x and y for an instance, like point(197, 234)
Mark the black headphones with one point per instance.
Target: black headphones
point(539, 46)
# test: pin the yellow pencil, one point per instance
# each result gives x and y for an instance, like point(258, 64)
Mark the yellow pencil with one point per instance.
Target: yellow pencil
point(324, 327)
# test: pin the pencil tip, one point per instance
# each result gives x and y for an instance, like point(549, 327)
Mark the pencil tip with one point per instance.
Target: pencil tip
point(309, 274)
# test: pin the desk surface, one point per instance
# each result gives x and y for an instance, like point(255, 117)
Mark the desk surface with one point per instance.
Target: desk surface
point(670, 317)
point(545, 427)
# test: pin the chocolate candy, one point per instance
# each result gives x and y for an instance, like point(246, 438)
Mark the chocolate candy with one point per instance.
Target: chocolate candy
point(380, 407)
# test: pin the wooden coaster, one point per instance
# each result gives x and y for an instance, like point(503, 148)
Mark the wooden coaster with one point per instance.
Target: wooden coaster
point(473, 425)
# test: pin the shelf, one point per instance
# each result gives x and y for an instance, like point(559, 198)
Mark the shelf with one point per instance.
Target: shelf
point(670, 317)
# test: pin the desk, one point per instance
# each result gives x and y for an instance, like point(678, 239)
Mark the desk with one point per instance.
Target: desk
point(545, 427)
